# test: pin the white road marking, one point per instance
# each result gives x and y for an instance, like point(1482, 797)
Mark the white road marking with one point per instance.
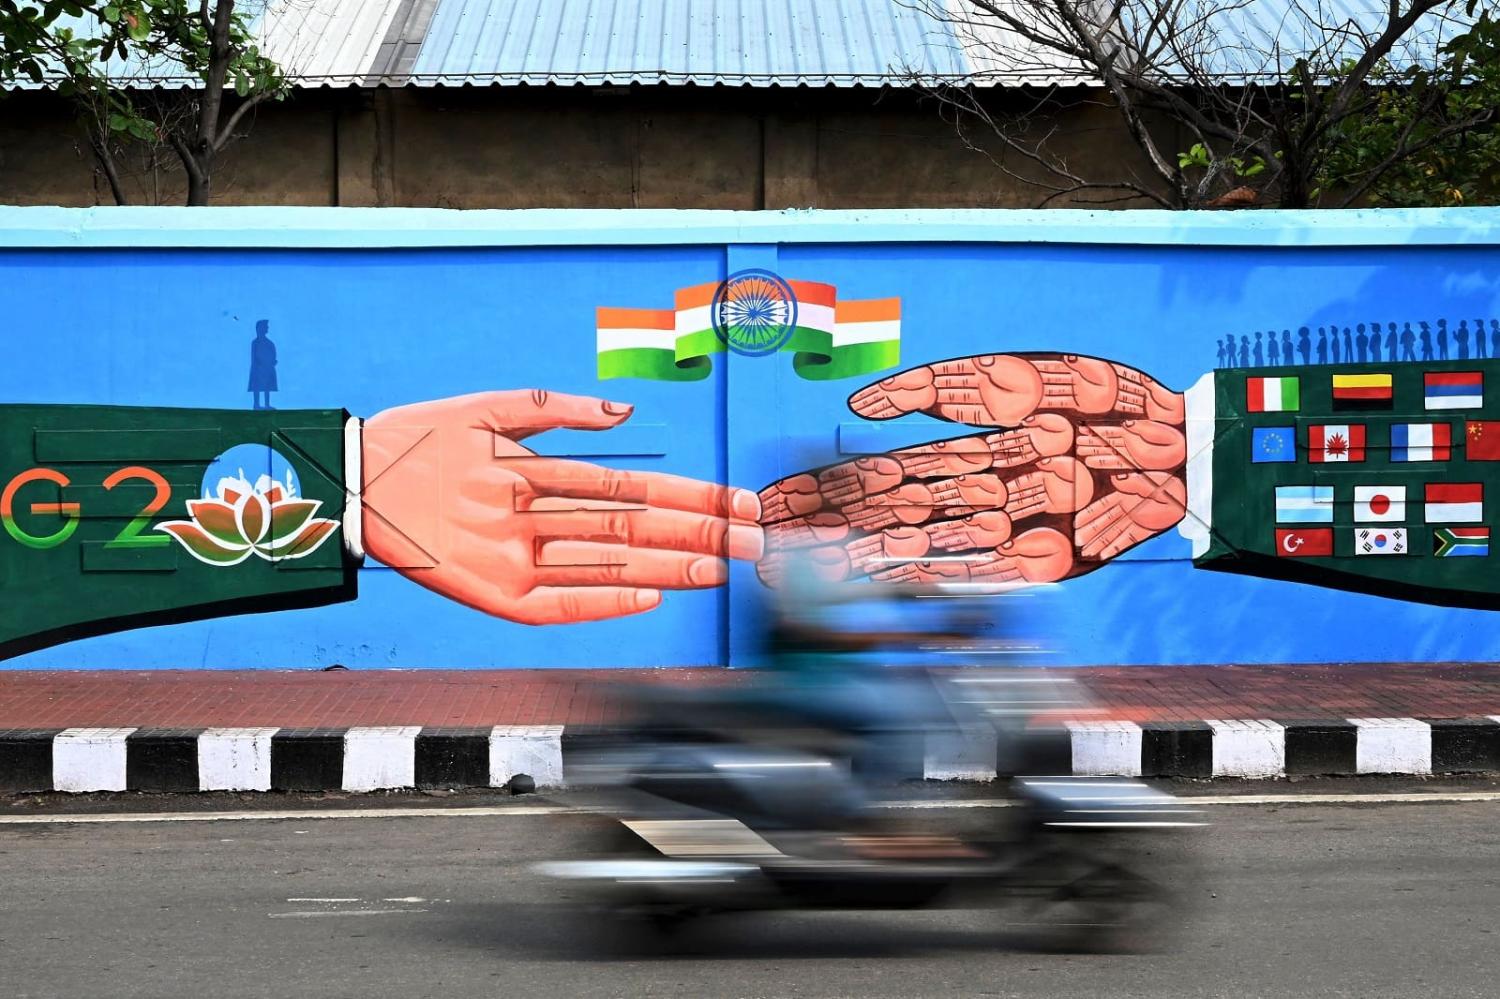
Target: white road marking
point(351, 912)
point(1391, 798)
point(336, 900)
point(1194, 801)
point(360, 813)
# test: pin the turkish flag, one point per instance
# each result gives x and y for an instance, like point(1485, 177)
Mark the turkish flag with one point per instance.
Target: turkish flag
point(1303, 542)
point(1482, 440)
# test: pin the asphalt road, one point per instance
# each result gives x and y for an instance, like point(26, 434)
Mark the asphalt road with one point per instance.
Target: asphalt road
point(1337, 900)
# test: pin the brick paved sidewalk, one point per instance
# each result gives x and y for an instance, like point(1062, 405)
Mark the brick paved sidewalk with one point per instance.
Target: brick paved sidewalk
point(298, 698)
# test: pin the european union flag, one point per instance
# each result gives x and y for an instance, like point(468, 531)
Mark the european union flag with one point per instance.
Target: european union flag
point(1273, 444)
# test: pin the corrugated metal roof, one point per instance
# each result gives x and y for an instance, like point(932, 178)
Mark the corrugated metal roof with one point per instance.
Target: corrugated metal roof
point(735, 42)
point(758, 43)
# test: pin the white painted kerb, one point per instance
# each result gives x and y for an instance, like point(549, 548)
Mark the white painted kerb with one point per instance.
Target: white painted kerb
point(380, 757)
point(89, 759)
point(534, 750)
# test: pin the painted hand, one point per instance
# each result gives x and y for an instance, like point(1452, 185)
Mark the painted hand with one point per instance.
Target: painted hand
point(1089, 463)
point(454, 502)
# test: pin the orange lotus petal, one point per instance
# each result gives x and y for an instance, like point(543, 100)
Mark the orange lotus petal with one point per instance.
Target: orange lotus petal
point(201, 545)
point(307, 541)
point(217, 519)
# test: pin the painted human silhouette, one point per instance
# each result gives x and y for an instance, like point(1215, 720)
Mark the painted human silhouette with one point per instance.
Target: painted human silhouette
point(1495, 337)
point(1362, 342)
point(1286, 347)
point(1223, 346)
point(1304, 344)
point(1408, 340)
point(1259, 352)
point(1349, 347)
point(1462, 336)
point(1273, 349)
point(1334, 346)
point(1244, 351)
point(1479, 342)
point(1322, 345)
point(1442, 339)
point(1426, 340)
point(262, 366)
point(1390, 340)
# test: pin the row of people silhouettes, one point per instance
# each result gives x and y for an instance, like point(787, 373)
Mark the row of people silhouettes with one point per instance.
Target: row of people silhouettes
point(1361, 344)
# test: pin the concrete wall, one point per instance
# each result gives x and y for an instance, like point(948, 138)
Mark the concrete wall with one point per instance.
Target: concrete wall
point(576, 148)
point(569, 456)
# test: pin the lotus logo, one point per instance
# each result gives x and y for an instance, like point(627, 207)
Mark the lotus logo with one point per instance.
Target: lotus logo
point(239, 518)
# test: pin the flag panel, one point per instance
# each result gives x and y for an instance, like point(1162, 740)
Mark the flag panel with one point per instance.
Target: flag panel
point(1453, 502)
point(1421, 442)
point(1461, 542)
point(1380, 541)
point(1482, 440)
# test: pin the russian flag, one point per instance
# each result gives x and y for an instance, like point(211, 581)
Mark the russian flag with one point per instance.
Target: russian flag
point(1454, 502)
point(1453, 389)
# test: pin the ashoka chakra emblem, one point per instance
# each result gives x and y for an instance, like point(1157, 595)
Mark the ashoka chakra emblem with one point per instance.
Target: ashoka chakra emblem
point(754, 312)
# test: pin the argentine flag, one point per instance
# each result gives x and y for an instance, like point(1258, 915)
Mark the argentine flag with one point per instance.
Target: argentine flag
point(1304, 504)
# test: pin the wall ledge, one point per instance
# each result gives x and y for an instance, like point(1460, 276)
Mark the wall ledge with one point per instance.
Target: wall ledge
point(404, 228)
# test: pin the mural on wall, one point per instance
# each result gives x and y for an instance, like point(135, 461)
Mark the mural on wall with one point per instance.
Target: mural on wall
point(1354, 457)
point(1299, 475)
point(444, 492)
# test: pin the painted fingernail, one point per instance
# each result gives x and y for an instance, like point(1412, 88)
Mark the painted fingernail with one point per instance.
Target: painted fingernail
point(618, 408)
point(746, 542)
point(744, 505)
point(646, 599)
point(708, 572)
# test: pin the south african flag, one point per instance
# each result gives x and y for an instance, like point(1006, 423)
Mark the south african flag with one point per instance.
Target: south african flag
point(1452, 542)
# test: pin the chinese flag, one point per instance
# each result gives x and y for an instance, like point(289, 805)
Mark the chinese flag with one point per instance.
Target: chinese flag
point(1482, 440)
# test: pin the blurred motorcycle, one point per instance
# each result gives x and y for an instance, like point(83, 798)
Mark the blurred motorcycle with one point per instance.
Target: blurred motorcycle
point(760, 796)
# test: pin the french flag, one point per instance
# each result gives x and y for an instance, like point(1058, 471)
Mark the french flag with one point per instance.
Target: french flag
point(1454, 502)
point(1453, 389)
point(1421, 442)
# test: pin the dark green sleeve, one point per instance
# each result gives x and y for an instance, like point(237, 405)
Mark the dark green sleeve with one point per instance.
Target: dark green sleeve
point(121, 517)
point(1413, 550)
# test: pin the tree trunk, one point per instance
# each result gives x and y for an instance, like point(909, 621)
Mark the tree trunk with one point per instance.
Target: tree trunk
point(198, 189)
point(106, 161)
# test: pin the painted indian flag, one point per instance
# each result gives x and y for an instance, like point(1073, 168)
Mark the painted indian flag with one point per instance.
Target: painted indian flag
point(831, 338)
point(1273, 395)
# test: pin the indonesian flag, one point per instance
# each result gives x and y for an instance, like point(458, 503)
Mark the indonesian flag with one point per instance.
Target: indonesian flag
point(1336, 442)
point(1454, 502)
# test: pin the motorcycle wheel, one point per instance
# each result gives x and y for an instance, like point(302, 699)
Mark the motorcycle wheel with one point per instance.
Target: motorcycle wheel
point(1091, 903)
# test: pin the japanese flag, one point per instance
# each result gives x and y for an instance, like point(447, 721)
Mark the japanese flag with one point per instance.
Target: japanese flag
point(1379, 504)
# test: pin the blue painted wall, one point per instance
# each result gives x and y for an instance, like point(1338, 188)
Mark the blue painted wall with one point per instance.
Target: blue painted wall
point(158, 309)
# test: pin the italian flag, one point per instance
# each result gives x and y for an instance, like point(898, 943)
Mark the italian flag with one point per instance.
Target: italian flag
point(1273, 395)
point(832, 338)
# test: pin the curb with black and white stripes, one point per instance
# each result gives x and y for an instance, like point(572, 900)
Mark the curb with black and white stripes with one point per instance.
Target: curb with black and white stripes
point(388, 757)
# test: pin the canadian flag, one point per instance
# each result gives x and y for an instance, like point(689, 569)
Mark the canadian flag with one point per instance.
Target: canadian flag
point(1336, 442)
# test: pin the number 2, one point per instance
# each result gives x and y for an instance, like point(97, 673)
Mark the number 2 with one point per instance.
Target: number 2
point(130, 536)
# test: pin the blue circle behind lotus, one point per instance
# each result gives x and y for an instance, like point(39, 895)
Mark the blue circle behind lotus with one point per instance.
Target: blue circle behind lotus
point(251, 462)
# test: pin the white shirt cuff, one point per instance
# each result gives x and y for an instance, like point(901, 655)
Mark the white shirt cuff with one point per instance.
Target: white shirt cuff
point(354, 511)
point(1200, 406)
